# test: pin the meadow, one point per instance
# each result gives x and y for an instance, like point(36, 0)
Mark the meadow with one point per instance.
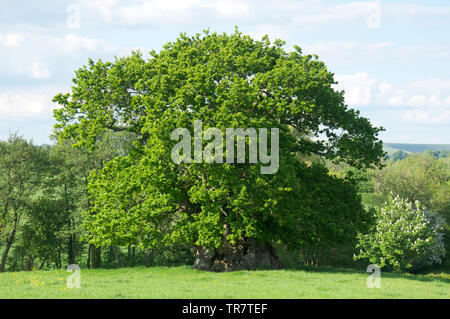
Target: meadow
point(185, 283)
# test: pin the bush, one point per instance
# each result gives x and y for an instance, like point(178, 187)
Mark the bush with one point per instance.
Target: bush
point(404, 237)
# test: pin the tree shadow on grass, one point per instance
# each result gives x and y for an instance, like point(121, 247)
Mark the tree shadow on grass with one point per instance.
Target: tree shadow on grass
point(440, 276)
point(418, 277)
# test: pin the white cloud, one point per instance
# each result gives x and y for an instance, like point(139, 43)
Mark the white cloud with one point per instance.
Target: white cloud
point(383, 88)
point(413, 11)
point(272, 31)
point(318, 12)
point(427, 92)
point(357, 87)
point(39, 70)
point(368, 14)
point(27, 103)
point(330, 47)
point(41, 53)
point(72, 42)
point(232, 8)
point(425, 101)
point(103, 7)
point(68, 43)
point(396, 100)
point(432, 85)
point(148, 12)
point(347, 53)
point(11, 40)
point(305, 13)
point(427, 116)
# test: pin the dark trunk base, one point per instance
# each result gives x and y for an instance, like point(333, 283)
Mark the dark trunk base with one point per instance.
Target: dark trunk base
point(248, 255)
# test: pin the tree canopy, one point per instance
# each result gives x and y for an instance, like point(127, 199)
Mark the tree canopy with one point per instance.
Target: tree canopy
point(226, 81)
point(419, 177)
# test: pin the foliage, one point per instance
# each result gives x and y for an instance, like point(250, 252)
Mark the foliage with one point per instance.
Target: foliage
point(399, 155)
point(226, 81)
point(440, 154)
point(42, 194)
point(405, 237)
point(420, 177)
point(22, 166)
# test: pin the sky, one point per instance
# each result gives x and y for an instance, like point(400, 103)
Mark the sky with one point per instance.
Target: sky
point(392, 58)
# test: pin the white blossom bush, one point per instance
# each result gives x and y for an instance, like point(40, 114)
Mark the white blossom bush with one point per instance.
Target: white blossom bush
point(404, 237)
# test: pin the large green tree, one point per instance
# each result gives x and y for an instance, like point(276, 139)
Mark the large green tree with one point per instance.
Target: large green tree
point(231, 213)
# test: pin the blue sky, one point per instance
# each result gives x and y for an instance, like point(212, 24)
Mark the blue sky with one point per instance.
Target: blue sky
point(392, 58)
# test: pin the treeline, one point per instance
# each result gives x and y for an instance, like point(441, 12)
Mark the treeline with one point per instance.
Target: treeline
point(399, 155)
point(44, 201)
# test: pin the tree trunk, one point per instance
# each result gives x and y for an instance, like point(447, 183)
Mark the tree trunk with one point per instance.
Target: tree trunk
point(59, 254)
point(116, 255)
point(148, 257)
point(89, 257)
point(110, 255)
point(145, 257)
point(9, 243)
point(75, 246)
point(246, 255)
point(98, 257)
point(70, 254)
point(29, 262)
point(129, 256)
point(93, 256)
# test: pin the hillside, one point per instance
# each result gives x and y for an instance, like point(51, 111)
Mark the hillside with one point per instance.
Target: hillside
point(391, 148)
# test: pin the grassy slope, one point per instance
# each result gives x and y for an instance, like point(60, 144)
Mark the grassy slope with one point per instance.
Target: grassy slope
point(183, 282)
point(390, 150)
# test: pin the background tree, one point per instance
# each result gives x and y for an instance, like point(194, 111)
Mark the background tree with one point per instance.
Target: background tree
point(68, 187)
point(40, 242)
point(22, 166)
point(419, 177)
point(230, 213)
point(404, 237)
point(399, 155)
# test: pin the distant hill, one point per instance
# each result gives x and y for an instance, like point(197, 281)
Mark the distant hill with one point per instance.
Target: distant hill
point(391, 148)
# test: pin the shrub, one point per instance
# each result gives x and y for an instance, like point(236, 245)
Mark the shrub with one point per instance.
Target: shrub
point(404, 237)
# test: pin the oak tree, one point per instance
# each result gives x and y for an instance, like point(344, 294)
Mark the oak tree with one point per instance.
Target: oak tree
point(230, 213)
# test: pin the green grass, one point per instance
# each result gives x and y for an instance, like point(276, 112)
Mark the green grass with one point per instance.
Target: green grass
point(184, 282)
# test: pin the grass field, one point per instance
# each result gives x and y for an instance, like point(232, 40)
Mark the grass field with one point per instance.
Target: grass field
point(183, 282)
